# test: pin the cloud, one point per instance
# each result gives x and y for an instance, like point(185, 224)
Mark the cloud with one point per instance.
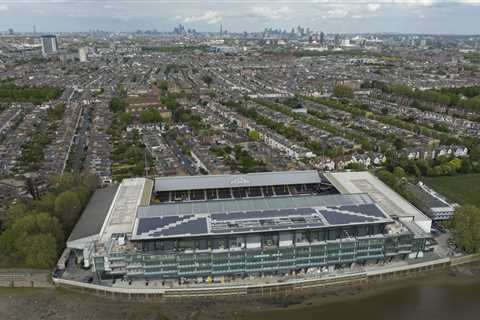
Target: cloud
point(209, 17)
point(270, 13)
point(373, 7)
point(3, 7)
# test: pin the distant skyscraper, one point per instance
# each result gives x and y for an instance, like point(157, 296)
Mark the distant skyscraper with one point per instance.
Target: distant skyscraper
point(322, 38)
point(10, 32)
point(82, 54)
point(49, 44)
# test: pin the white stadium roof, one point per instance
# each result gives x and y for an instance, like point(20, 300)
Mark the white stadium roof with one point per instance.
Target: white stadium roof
point(238, 180)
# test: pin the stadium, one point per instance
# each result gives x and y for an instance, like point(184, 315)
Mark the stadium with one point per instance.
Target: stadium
point(207, 227)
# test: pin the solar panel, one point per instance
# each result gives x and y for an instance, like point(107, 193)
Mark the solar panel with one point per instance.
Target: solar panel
point(336, 218)
point(304, 211)
point(148, 224)
point(198, 226)
point(365, 209)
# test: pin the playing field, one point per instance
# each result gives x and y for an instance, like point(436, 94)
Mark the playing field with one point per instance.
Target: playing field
point(464, 189)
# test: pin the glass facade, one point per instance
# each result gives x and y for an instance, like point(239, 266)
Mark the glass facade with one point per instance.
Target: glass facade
point(268, 253)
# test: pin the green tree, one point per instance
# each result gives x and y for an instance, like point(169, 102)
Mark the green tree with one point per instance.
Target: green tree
point(356, 166)
point(465, 226)
point(254, 135)
point(41, 251)
point(46, 203)
point(399, 172)
point(125, 118)
point(341, 91)
point(15, 212)
point(90, 181)
point(150, 115)
point(118, 105)
point(163, 86)
point(67, 208)
point(475, 153)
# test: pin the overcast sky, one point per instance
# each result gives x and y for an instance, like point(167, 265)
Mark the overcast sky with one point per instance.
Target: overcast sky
point(335, 16)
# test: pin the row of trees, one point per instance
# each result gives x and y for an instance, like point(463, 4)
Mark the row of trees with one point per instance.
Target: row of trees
point(441, 166)
point(10, 92)
point(35, 230)
point(464, 97)
point(341, 91)
point(316, 119)
point(287, 131)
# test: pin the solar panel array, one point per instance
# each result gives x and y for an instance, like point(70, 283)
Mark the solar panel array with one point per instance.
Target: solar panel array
point(365, 209)
point(338, 218)
point(148, 224)
point(257, 204)
point(258, 221)
point(192, 227)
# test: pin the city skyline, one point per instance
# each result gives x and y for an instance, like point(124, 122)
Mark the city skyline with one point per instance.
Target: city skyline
point(354, 16)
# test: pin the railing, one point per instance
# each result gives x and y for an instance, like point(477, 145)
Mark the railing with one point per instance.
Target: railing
point(271, 288)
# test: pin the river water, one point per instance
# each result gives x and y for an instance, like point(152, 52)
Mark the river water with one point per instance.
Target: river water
point(436, 297)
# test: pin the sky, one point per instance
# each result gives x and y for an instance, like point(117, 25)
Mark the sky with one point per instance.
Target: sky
point(330, 16)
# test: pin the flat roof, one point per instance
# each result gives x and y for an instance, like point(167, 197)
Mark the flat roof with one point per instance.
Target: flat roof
point(255, 215)
point(238, 180)
point(430, 200)
point(390, 201)
point(121, 215)
point(93, 216)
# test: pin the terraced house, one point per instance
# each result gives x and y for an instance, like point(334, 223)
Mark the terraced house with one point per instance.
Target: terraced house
point(242, 225)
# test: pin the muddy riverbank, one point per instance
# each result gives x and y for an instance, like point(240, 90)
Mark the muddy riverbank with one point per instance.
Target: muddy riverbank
point(448, 294)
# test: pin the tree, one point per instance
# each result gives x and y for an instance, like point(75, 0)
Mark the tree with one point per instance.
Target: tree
point(413, 169)
point(207, 79)
point(399, 172)
point(46, 203)
point(388, 178)
point(67, 208)
point(465, 226)
point(40, 251)
point(150, 115)
point(466, 166)
point(33, 240)
point(356, 166)
point(90, 181)
point(15, 212)
point(456, 164)
point(341, 91)
point(423, 165)
point(475, 153)
point(254, 135)
point(163, 86)
point(125, 118)
point(118, 105)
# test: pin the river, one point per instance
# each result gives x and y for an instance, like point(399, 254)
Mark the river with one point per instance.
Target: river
point(437, 297)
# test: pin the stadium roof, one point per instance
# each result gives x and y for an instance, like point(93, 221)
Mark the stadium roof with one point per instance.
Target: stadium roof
point(390, 201)
point(232, 181)
point(92, 218)
point(131, 194)
point(255, 215)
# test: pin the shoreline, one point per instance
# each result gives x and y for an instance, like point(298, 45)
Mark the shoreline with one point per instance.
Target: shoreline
point(53, 303)
point(267, 288)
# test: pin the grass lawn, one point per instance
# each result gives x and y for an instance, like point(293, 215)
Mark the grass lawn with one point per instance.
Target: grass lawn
point(463, 189)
